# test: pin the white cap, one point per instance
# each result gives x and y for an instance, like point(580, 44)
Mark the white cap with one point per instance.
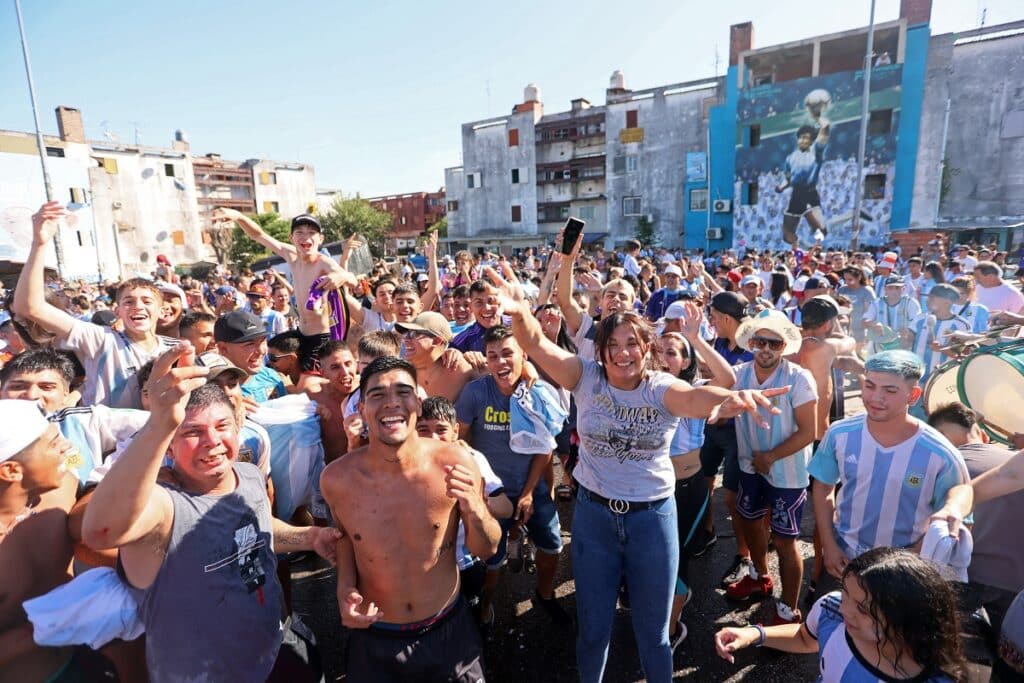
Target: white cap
point(673, 269)
point(750, 280)
point(170, 288)
point(422, 277)
point(676, 310)
point(31, 421)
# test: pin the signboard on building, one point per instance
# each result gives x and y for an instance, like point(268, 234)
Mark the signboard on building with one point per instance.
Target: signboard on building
point(696, 167)
point(796, 159)
point(631, 135)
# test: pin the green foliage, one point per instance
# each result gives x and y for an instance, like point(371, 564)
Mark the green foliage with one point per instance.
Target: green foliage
point(440, 227)
point(243, 250)
point(354, 215)
point(645, 232)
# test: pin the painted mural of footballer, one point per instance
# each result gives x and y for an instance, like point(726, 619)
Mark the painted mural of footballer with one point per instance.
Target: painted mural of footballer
point(803, 166)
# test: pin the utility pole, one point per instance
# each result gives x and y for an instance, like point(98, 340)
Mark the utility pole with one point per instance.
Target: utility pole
point(39, 137)
point(864, 113)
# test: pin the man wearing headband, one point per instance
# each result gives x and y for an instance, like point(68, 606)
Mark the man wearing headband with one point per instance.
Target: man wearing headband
point(35, 549)
point(895, 470)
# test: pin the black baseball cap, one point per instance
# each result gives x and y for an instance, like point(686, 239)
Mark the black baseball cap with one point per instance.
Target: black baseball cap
point(238, 327)
point(730, 303)
point(817, 310)
point(817, 283)
point(306, 219)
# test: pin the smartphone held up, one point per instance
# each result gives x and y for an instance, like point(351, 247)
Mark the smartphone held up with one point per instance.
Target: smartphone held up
point(571, 233)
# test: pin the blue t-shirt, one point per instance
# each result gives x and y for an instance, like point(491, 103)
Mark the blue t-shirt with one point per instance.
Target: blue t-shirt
point(264, 385)
point(838, 660)
point(486, 410)
point(470, 339)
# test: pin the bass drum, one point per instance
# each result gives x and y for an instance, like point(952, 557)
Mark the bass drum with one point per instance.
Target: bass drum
point(991, 382)
point(941, 388)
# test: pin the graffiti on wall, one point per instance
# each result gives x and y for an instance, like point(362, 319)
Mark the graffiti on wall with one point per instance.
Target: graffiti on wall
point(796, 160)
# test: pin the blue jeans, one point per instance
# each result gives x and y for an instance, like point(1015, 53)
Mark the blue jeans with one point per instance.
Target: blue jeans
point(643, 546)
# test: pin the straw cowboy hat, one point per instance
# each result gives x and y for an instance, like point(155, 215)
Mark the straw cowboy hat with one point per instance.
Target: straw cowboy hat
point(773, 321)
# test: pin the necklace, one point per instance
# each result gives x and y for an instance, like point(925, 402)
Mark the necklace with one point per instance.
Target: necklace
point(6, 529)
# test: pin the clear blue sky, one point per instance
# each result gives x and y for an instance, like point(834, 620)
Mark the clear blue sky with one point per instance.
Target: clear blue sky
point(373, 94)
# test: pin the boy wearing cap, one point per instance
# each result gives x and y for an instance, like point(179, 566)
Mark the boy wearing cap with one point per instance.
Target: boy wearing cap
point(307, 264)
point(35, 548)
point(894, 310)
point(928, 333)
point(663, 298)
point(259, 303)
point(110, 357)
point(883, 270)
point(174, 304)
point(425, 339)
point(773, 462)
point(751, 286)
point(242, 339)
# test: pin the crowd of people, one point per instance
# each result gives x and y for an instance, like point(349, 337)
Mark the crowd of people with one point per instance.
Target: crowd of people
point(172, 443)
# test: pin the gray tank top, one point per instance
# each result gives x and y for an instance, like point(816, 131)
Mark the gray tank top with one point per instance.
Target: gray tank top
point(213, 613)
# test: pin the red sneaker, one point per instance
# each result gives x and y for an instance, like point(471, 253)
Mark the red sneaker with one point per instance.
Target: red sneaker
point(747, 588)
point(779, 620)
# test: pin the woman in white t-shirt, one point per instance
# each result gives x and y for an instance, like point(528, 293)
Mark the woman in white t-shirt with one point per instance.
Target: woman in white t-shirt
point(625, 523)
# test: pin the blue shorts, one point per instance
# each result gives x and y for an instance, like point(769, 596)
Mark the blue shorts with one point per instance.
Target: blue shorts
point(543, 526)
point(757, 498)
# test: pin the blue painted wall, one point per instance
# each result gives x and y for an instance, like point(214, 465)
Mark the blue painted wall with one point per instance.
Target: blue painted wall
point(915, 64)
point(722, 125)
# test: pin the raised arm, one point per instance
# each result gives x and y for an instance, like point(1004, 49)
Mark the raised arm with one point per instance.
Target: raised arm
point(433, 291)
point(30, 294)
point(128, 505)
point(722, 374)
point(572, 313)
point(255, 232)
point(547, 283)
point(563, 367)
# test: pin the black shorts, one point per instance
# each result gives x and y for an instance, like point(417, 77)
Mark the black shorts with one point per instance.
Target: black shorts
point(450, 649)
point(309, 345)
point(720, 449)
point(802, 200)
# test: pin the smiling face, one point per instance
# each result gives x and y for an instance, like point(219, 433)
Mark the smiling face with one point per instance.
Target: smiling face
point(625, 356)
point(170, 310)
point(340, 370)
point(674, 358)
point(617, 297)
point(47, 386)
point(246, 355)
point(40, 466)
point(383, 297)
point(804, 141)
point(462, 310)
point(389, 407)
point(485, 307)
point(887, 396)
point(505, 363)
point(307, 240)
point(761, 344)
point(438, 430)
point(205, 444)
point(138, 309)
point(671, 281)
point(406, 306)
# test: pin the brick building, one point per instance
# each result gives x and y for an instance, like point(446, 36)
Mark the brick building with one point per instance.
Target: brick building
point(412, 214)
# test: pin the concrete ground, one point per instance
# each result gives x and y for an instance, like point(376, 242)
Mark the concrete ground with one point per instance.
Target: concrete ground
point(526, 646)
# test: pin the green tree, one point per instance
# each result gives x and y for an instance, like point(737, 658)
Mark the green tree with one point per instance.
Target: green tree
point(440, 227)
point(645, 232)
point(243, 250)
point(354, 215)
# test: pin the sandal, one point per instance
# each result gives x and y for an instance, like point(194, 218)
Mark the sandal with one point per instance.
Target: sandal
point(563, 492)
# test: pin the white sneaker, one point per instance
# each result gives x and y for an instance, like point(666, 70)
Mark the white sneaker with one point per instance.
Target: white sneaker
point(680, 636)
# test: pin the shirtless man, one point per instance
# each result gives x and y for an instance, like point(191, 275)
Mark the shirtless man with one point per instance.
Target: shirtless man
point(307, 264)
point(425, 341)
point(338, 367)
point(398, 502)
point(35, 549)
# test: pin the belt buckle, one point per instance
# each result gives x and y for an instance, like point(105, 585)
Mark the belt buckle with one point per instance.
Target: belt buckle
point(619, 507)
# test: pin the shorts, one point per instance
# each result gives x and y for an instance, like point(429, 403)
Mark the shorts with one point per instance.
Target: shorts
point(691, 501)
point(757, 498)
point(720, 450)
point(309, 345)
point(803, 199)
point(449, 649)
point(543, 527)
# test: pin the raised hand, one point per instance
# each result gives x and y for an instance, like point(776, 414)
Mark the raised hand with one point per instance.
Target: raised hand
point(589, 282)
point(690, 325)
point(748, 401)
point(224, 215)
point(45, 222)
point(510, 292)
point(175, 376)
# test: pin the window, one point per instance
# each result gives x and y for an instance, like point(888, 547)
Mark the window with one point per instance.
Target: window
point(563, 212)
point(403, 220)
point(632, 163)
point(517, 213)
point(751, 193)
point(587, 213)
point(513, 137)
point(453, 205)
point(562, 134)
point(78, 195)
point(763, 80)
point(169, 170)
point(874, 186)
point(55, 151)
point(473, 180)
point(880, 122)
point(515, 176)
point(631, 206)
point(592, 171)
point(110, 165)
point(754, 134)
point(631, 118)
point(78, 234)
point(699, 200)
point(271, 207)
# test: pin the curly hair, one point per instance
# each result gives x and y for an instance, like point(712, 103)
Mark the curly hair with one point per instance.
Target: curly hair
point(914, 608)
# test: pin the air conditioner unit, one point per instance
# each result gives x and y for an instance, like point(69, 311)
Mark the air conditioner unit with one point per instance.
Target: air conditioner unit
point(721, 206)
point(715, 233)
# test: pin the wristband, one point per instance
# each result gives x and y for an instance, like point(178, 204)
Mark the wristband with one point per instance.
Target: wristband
point(761, 635)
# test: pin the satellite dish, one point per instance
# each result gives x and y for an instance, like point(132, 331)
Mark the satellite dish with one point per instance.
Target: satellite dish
point(147, 173)
point(161, 236)
point(144, 257)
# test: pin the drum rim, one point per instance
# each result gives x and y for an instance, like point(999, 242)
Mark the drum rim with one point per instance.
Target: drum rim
point(993, 430)
point(938, 372)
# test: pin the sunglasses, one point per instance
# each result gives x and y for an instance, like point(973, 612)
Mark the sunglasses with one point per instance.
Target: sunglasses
point(273, 358)
point(765, 343)
point(413, 335)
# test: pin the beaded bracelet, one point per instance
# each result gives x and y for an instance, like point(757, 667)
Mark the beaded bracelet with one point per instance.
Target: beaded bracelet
point(761, 635)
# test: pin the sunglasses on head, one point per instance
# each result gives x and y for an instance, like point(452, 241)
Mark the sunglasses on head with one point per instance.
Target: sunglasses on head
point(764, 342)
point(273, 358)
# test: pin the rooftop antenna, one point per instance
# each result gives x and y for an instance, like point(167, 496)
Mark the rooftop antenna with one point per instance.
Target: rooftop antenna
point(138, 137)
point(984, 15)
point(487, 87)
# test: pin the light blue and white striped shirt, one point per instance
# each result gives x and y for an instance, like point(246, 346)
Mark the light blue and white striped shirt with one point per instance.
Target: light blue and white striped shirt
point(976, 314)
point(838, 662)
point(928, 328)
point(887, 494)
point(789, 472)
